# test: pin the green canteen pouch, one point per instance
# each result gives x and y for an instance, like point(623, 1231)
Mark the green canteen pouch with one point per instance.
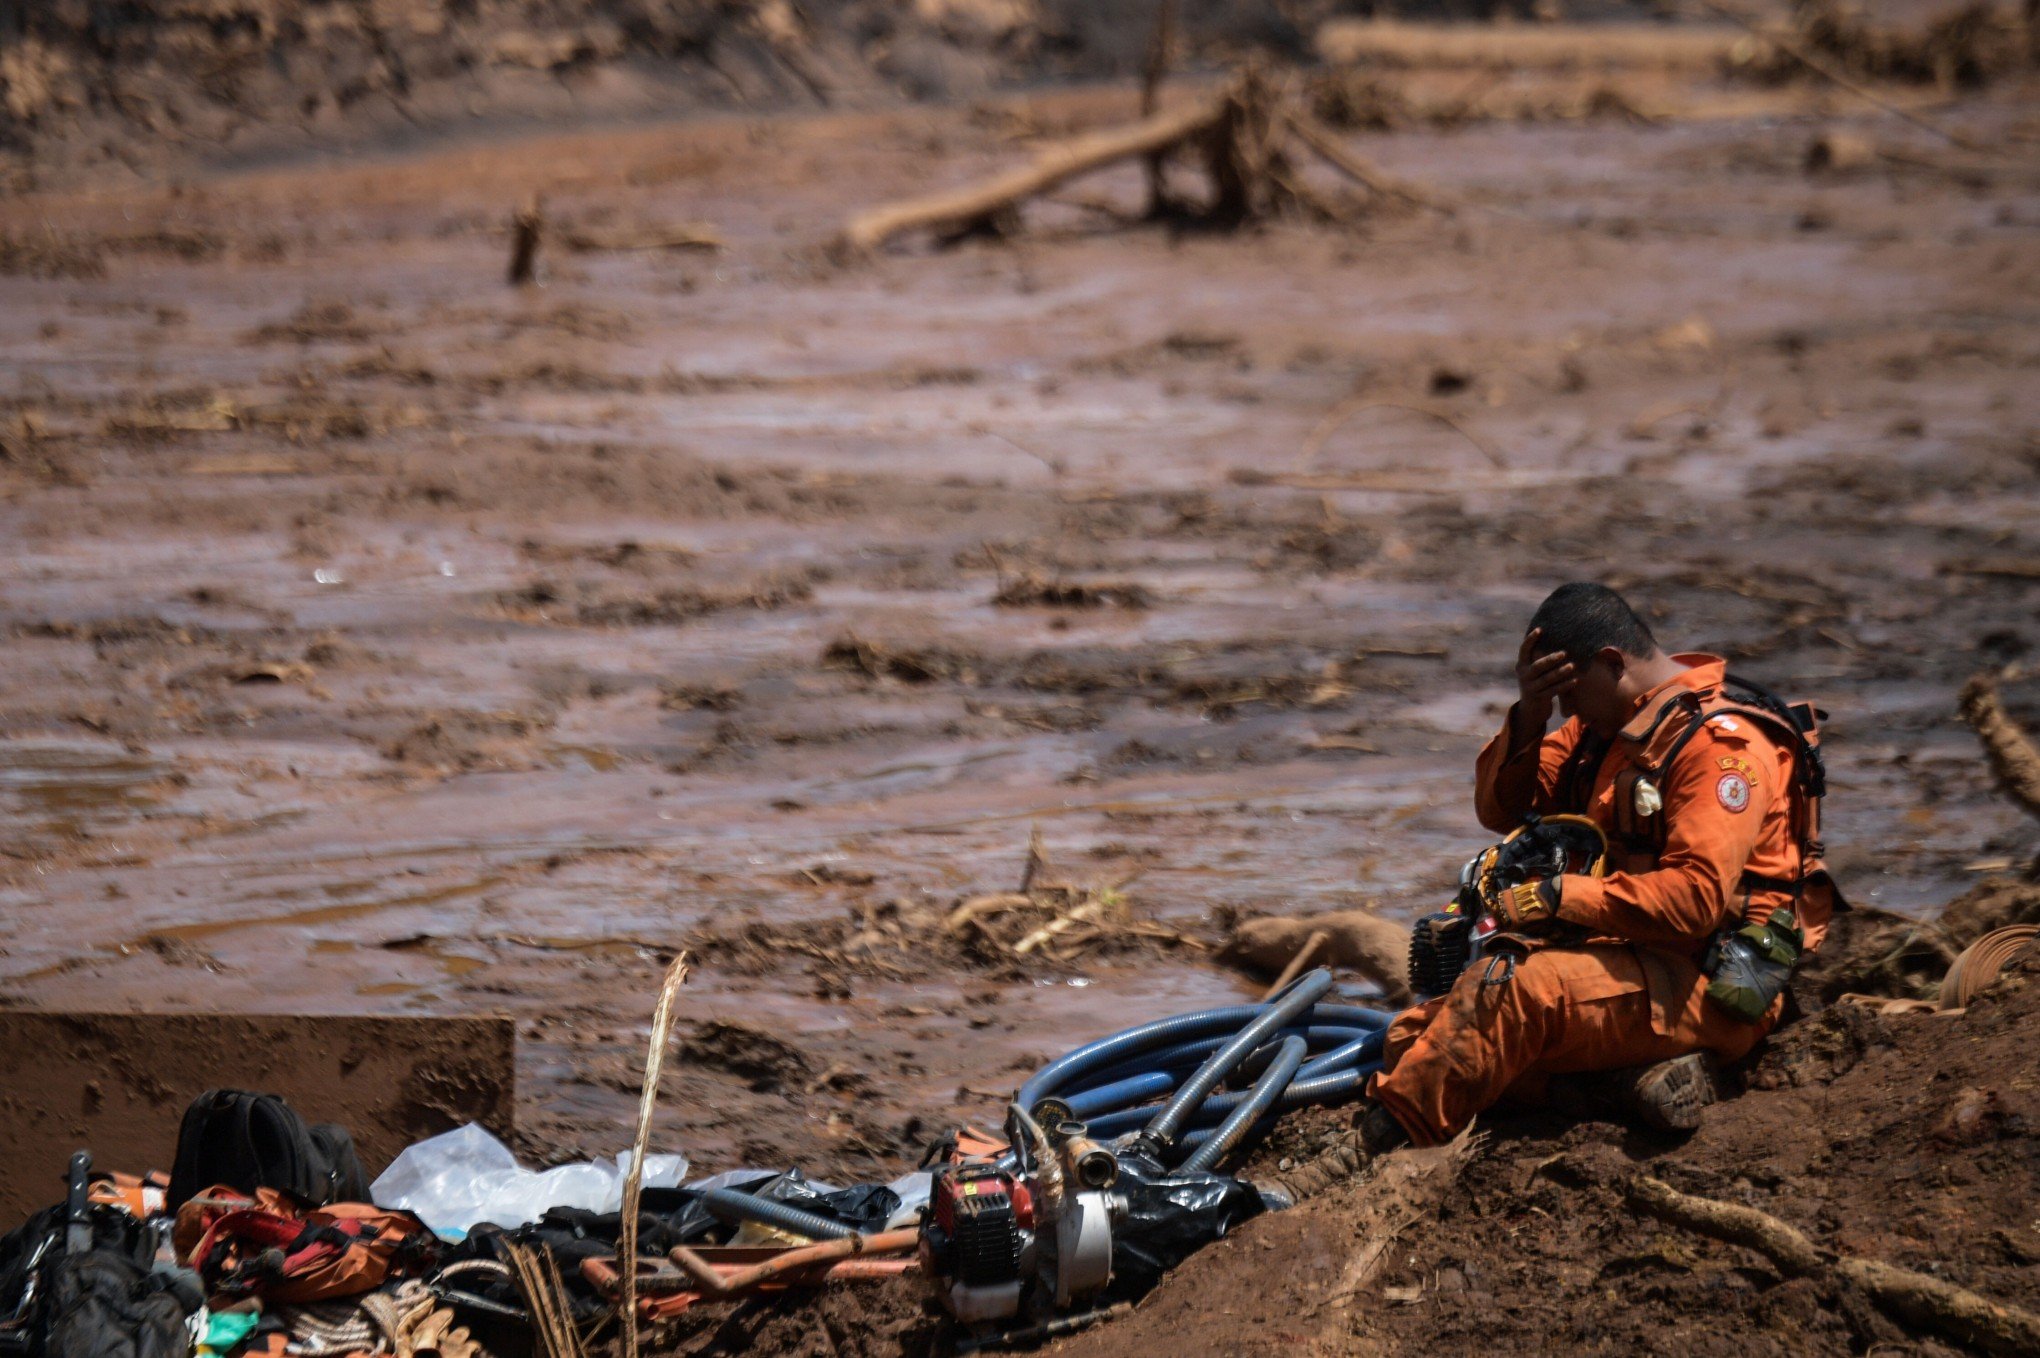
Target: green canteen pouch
point(1750, 966)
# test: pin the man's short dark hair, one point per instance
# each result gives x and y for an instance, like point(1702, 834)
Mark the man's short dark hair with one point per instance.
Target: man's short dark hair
point(1581, 618)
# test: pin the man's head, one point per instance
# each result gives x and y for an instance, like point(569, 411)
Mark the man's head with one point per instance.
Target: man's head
point(1615, 658)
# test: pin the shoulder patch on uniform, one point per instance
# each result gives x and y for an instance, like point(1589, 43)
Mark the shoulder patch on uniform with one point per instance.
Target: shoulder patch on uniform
point(1732, 791)
point(1732, 764)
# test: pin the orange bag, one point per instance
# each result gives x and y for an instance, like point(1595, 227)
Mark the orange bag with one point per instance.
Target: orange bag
point(268, 1246)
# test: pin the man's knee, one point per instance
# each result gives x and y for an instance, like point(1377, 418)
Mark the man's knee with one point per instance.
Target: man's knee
point(1519, 991)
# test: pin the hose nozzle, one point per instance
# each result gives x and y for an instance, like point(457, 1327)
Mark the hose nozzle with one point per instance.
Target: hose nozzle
point(1090, 1164)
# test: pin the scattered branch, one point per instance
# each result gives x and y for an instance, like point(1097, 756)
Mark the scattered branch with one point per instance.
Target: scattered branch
point(527, 228)
point(1928, 1303)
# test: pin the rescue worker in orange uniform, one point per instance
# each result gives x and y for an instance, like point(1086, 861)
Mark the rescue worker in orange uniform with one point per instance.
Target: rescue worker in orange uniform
point(1711, 826)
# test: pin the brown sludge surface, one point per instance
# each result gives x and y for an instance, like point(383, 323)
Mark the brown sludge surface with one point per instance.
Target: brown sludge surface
point(378, 638)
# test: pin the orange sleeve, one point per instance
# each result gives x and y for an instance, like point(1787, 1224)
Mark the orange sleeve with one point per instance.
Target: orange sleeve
point(1507, 787)
point(1712, 826)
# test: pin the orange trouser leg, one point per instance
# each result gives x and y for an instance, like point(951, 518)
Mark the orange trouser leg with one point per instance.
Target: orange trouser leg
point(1454, 1056)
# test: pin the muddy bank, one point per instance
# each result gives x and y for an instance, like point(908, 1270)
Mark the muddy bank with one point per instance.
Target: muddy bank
point(1910, 1140)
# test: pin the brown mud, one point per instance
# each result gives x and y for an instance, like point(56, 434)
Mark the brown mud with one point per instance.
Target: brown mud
point(379, 638)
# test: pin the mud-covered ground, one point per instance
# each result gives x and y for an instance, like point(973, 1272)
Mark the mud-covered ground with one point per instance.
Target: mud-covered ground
point(382, 638)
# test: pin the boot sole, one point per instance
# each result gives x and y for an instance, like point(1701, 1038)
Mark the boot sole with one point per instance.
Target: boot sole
point(1672, 1096)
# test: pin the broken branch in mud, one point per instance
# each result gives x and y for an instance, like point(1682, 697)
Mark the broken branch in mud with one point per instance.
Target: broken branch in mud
point(1362, 172)
point(1244, 136)
point(527, 228)
point(1913, 1297)
point(686, 236)
point(1153, 72)
point(2013, 759)
point(975, 203)
point(1827, 72)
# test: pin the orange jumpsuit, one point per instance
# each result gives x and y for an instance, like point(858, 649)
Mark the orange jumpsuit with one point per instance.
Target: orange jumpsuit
point(1711, 850)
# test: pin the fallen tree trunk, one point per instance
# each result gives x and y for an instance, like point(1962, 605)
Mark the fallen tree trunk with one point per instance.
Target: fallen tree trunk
point(1051, 169)
point(1923, 1301)
point(2012, 756)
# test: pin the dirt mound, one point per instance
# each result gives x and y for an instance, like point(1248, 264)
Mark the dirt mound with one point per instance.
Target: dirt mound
point(1912, 1140)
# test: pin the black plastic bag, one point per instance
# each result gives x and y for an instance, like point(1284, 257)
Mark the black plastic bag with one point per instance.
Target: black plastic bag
point(867, 1207)
point(1171, 1214)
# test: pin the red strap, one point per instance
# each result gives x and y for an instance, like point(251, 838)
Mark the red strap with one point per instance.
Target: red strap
point(307, 1244)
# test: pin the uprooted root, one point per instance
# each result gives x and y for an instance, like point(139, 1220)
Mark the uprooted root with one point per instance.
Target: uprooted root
point(1924, 1302)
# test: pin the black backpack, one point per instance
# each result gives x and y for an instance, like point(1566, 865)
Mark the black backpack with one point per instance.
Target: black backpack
point(250, 1141)
point(102, 1302)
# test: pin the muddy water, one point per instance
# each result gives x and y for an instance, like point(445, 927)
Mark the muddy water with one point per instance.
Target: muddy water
point(543, 581)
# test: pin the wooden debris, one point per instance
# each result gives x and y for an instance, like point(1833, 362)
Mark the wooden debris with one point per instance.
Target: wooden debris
point(633, 1182)
point(684, 236)
point(1050, 915)
point(1393, 44)
point(1333, 152)
point(1029, 590)
point(527, 228)
point(537, 1274)
point(2013, 758)
point(1154, 70)
point(1789, 46)
point(1055, 167)
point(1923, 1301)
point(1246, 138)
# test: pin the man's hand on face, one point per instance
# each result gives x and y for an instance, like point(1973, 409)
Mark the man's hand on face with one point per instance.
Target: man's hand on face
point(1539, 681)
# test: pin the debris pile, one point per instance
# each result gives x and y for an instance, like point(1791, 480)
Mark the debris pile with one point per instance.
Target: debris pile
point(1965, 47)
point(1048, 920)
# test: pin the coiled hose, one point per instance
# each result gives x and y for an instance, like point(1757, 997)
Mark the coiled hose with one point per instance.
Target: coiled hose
point(1266, 1090)
point(1299, 1050)
point(1301, 995)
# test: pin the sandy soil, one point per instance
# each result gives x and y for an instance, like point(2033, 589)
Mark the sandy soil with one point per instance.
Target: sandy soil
point(381, 638)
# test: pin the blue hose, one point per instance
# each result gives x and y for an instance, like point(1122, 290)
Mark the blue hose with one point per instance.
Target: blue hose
point(1333, 1088)
point(1188, 1055)
point(1300, 996)
point(1259, 1100)
point(1119, 1094)
point(1112, 1084)
point(1071, 1069)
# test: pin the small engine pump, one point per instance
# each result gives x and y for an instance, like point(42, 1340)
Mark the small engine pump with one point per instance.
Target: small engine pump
point(1004, 1234)
point(979, 1239)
